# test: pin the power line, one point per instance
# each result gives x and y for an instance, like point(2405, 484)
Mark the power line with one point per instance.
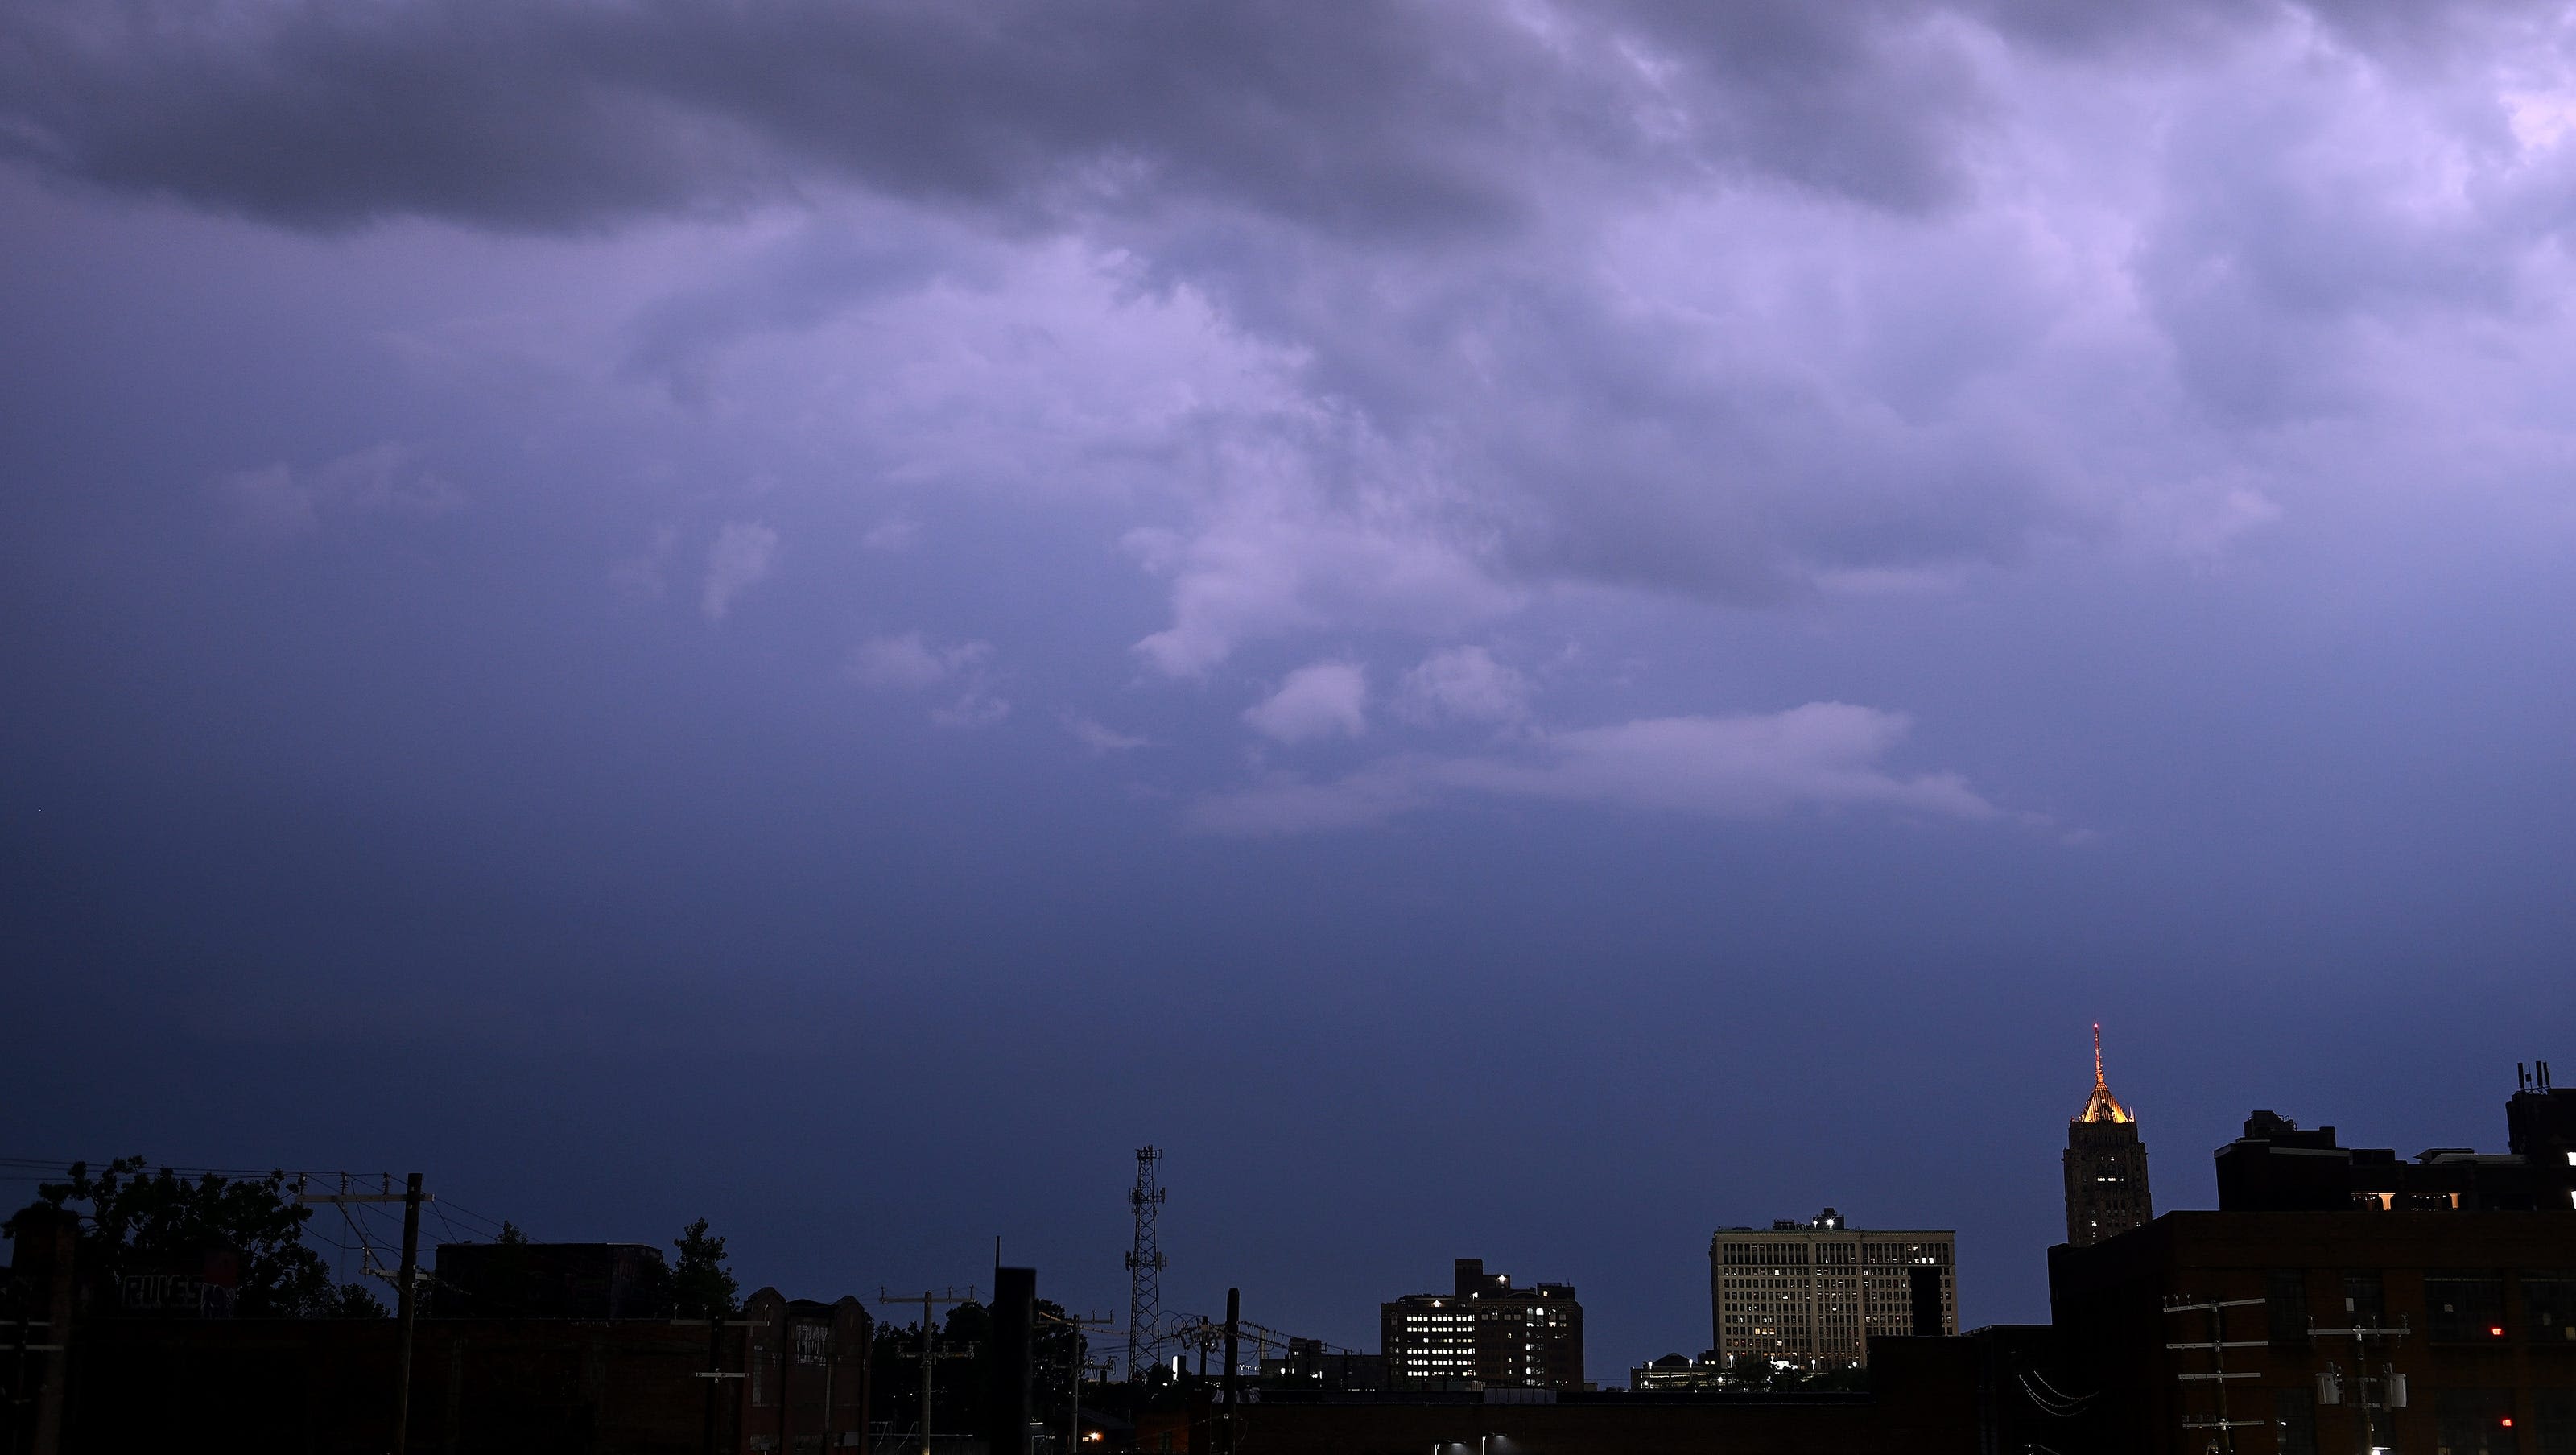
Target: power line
point(93, 1164)
point(931, 1351)
point(495, 1224)
point(55, 1169)
point(406, 1279)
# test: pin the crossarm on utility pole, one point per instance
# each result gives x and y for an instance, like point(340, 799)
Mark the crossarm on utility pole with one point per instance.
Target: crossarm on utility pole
point(930, 1350)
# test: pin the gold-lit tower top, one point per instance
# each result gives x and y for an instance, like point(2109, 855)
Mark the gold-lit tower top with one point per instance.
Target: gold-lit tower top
point(2104, 1107)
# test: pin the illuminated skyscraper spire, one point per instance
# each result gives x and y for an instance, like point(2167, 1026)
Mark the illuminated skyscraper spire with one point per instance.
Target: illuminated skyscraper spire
point(2106, 1165)
point(2104, 1107)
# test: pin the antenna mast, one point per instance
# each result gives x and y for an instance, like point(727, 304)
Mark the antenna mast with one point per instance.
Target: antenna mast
point(1145, 1264)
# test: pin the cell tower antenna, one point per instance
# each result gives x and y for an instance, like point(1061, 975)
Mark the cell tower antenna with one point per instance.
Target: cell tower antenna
point(1145, 1264)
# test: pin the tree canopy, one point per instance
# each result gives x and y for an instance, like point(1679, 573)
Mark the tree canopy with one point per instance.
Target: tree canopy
point(132, 1222)
point(702, 1287)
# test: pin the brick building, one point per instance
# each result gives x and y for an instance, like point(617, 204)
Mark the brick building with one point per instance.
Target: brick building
point(808, 1367)
point(2353, 1301)
point(551, 1281)
point(2445, 1333)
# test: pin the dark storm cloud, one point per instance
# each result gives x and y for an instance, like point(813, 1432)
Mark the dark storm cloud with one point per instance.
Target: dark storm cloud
point(552, 114)
point(1744, 301)
point(559, 115)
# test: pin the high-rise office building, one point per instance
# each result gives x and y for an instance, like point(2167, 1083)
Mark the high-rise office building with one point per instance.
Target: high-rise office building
point(1486, 1332)
point(1812, 1293)
point(2106, 1166)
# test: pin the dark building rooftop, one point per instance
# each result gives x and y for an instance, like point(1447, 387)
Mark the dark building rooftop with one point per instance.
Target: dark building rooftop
point(2278, 1166)
point(551, 1281)
point(2410, 1331)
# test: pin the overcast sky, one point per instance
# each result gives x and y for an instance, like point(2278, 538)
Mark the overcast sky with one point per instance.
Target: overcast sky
point(1517, 629)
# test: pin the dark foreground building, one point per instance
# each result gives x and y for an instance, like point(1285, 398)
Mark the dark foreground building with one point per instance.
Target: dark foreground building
point(479, 1386)
point(2279, 1167)
point(1924, 1398)
point(2418, 1333)
point(551, 1281)
point(1309, 1365)
point(325, 1386)
point(2341, 1300)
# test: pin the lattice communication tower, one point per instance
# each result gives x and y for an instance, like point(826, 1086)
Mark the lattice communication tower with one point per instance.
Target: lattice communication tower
point(1145, 1264)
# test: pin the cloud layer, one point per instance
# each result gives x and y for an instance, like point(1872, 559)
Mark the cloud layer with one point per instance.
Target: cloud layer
point(1374, 337)
point(908, 664)
point(1327, 699)
point(1824, 755)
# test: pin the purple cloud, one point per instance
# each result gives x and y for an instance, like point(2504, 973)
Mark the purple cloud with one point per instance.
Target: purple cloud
point(1824, 755)
point(1324, 700)
point(738, 560)
point(1383, 336)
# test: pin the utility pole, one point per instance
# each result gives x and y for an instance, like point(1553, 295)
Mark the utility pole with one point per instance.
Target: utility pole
point(1073, 1372)
point(409, 1312)
point(2392, 1385)
point(1108, 1367)
point(1145, 1265)
point(930, 1349)
point(1233, 1369)
point(2218, 1374)
point(715, 1374)
point(18, 1397)
point(406, 1288)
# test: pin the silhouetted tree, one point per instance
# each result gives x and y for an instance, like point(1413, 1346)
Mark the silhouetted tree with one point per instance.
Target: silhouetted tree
point(1059, 1349)
point(133, 1223)
point(357, 1301)
point(511, 1236)
point(968, 1326)
point(895, 1357)
point(958, 1382)
point(702, 1287)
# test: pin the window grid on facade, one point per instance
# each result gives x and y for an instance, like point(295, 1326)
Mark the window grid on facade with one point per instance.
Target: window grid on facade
point(1815, 1295)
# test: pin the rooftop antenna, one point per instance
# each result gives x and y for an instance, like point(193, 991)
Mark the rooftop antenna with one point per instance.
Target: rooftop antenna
point(2521, 1077)
point(2098, 1082)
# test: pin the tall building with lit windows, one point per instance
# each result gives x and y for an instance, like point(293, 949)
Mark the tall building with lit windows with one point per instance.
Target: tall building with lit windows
point(1810, 1294)
point(2106, 1166)
point(1484, 1331)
